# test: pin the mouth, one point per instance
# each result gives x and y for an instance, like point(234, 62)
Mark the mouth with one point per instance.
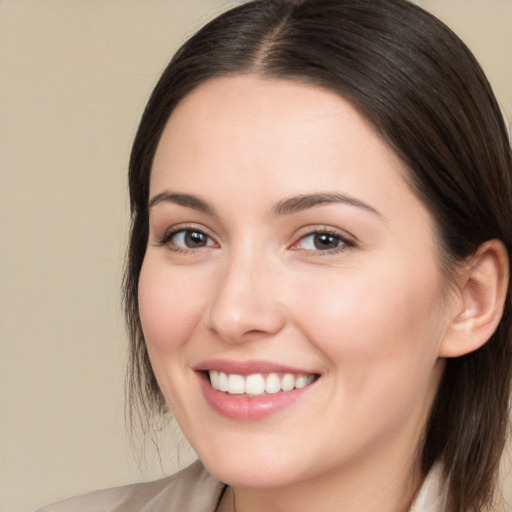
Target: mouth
point(258, 384)
point(253, 390)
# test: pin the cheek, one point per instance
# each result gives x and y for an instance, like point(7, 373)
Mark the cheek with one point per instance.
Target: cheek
point(171, 302)
point(376, 325)
point(379, 341)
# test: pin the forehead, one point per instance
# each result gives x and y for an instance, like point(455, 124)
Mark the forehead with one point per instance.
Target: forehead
point(276, 132)
point(267, 110)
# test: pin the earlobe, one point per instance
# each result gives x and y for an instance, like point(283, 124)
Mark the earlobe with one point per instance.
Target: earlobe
point(482, 293)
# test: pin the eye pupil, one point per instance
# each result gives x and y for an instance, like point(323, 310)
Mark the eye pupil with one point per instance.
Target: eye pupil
point(195, 239)
point(325, 241)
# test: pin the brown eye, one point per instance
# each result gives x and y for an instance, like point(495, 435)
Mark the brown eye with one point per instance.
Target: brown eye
point(190, 239)
point(322, 241)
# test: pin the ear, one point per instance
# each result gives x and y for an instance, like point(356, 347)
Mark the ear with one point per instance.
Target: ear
point(482, 291)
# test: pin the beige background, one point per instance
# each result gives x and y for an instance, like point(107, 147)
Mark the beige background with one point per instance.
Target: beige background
point(74, 77)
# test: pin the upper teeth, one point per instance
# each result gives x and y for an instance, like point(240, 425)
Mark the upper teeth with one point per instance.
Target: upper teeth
point(256, 383)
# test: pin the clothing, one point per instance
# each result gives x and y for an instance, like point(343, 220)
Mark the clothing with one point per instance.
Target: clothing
point(194, 490)
point(191, 490)
point(433, 493)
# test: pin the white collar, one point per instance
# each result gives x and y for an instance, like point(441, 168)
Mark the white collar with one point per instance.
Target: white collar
point(433, 493)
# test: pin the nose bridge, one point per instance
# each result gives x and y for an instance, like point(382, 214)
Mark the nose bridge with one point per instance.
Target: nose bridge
point(246, 301)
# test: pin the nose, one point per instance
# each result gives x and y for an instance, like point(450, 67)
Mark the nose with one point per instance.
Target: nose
point(245, 305)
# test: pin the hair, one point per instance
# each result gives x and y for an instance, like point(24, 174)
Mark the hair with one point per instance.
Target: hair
point(422, 89)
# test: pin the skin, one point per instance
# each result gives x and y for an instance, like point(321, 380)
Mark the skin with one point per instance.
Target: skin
point(369, 316)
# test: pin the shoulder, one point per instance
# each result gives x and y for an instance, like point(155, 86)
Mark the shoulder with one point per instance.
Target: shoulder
point(192, 489)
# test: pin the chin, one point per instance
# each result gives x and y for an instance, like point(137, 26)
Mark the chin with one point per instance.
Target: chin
point(255, 474)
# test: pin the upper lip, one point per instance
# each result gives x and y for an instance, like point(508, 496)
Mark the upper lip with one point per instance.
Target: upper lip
point(247, 367)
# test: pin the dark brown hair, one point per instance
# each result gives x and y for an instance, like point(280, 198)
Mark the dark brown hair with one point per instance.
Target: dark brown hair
point(422, 89)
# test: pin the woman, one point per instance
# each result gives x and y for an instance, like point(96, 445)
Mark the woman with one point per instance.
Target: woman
point(317, 282)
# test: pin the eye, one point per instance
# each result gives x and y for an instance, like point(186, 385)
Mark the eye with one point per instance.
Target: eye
point(324, 241)
point(185, 239)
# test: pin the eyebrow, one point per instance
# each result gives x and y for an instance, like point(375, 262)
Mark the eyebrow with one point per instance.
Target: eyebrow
point(187, 200)
point(287, 206)
point(303, 202)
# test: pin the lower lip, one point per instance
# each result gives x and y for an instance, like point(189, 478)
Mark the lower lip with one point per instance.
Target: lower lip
point(243, 407)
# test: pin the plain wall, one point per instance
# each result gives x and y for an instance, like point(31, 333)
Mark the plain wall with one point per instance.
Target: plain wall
point(74, 78)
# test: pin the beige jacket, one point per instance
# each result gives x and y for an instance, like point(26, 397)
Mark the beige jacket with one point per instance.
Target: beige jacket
point(194, 490)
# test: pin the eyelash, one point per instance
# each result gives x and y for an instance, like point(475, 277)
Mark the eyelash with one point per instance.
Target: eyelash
point(168, 236)
point(344, 242)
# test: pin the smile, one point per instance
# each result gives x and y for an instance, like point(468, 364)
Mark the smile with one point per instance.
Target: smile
point(257, 384)
point(253, 390)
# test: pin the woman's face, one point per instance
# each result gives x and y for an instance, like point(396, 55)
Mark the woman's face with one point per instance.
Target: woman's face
point(287, 251)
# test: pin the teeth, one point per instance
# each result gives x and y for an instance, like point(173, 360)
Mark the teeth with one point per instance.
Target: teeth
point(214, 379)
point(223, 382)
point(236, 384)
point(288, 382)
point(272, 383)
point(257, 383)
point(301, 381)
